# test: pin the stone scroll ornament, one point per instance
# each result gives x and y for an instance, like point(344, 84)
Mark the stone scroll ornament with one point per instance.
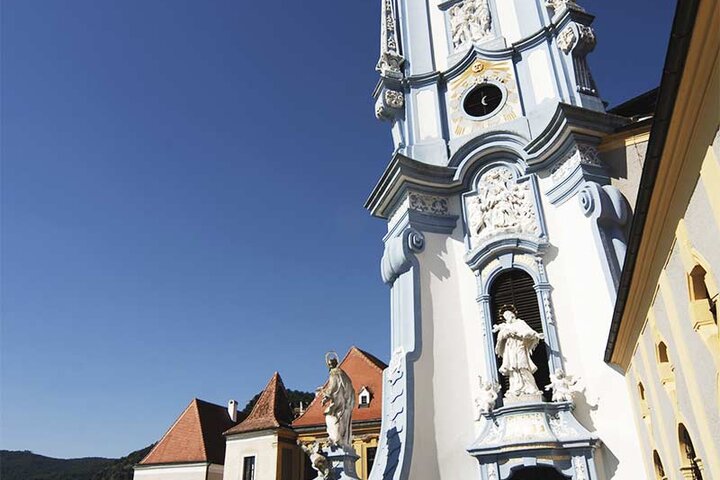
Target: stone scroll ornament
point(501, 206)
point(338, 398)
point(470, 22)
point(516, 341)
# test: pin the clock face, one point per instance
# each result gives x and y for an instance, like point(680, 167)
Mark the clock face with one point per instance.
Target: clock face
point(483, 100)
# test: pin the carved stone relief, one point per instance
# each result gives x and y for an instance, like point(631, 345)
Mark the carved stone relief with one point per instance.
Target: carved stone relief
point(394, 99)
point(566, 39)
point(470, 22)
point(426, 203)
point(587, 38)
point(501, 206)
point(582, 154)
point(559, 5)
point(387, 105)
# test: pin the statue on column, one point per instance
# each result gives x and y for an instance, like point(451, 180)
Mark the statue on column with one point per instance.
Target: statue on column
point(338, 398)
point(516, 341)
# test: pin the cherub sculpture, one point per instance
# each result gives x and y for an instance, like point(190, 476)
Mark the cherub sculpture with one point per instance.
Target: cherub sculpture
point(485, 401)
point(563, 386)
point(318, 460)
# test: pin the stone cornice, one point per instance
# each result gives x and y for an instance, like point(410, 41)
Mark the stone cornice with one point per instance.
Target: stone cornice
point(567, 122)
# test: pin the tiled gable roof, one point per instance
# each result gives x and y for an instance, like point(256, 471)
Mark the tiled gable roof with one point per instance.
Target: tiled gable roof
point(196, 436)
point(272, 409)
point(364, 370)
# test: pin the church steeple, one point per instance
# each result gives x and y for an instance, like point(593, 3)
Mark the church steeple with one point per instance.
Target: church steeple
point(433, 54)
point(497, 193)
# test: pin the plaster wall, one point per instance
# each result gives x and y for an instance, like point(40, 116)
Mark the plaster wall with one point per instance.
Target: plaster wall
point(583, 309)
point(625, 158)
point(172, 472)
point(451, 358)
point(692, 397)
point(215, 472)
point(262, 445)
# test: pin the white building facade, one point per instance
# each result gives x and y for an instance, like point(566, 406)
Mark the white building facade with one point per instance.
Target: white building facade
point(497, 194)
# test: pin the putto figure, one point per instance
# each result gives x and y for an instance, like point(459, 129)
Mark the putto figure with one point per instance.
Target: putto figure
point(563, 386)
point(338, 398)
point(515, 343)
point(318, 460)
point(485, 402)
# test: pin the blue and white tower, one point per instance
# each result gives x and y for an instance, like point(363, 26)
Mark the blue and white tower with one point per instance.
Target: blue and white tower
point(496, 195)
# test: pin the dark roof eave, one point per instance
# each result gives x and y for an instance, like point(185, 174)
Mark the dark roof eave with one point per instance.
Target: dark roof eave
point(675, 58)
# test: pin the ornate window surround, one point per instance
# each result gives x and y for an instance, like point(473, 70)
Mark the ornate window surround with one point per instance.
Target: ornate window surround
point(503, 252)
point(533, 266)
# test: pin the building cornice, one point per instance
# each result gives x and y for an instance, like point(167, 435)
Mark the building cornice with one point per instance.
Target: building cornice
point(671, 167)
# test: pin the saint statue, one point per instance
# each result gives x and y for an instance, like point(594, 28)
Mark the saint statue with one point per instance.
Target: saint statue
point(338, 398)
point(515, 343)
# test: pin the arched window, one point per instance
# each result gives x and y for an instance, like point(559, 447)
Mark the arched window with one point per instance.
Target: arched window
point(517, 288)
point(691, 465)
point(662, 353)
point(659, 470)
point(704, 305)
point(664, 366)
point(644, 410)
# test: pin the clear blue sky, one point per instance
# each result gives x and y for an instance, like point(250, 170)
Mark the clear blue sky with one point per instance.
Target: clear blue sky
point(182, 191)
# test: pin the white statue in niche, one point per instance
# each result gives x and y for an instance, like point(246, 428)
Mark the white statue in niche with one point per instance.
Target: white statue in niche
point(515, 344)
point(339, 396)
point(485, 402)
point(563, 386)
point(501, 206)
point(469, 22)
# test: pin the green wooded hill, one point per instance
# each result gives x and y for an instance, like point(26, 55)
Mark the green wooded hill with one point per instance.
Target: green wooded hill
point(25, 465)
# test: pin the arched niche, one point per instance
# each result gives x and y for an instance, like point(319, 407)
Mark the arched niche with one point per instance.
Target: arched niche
point(690, 463)
point(528, 266)
point(517, 288)
point(537, 473)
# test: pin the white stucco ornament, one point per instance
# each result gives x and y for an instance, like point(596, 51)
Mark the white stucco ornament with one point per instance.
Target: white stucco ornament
point(470, 22)
point(516, 341)
point(559, 5)
point(501, 206)
point(338, 398)
point(485, 401)
point(390, 61)
point(563, 386)
point(566, 39)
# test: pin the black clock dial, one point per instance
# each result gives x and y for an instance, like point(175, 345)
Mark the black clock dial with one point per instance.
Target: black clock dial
point(483, 100)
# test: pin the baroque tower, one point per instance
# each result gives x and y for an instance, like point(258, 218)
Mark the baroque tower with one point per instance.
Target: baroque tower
point(496, 198)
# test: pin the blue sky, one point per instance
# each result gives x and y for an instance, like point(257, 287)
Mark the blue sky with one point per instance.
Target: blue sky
point(182, 191)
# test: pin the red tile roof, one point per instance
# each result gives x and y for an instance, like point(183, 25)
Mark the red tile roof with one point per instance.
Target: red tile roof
point(271, 411)
point(196, 436)
point(364, 370)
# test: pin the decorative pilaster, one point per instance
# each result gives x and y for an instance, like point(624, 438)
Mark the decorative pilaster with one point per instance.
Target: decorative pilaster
point(391, 61)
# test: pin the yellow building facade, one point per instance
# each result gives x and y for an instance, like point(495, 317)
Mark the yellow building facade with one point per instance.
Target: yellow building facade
point(664, 334)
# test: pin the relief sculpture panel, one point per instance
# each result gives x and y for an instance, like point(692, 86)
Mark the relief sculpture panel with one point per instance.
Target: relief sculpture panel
point(500, 206)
